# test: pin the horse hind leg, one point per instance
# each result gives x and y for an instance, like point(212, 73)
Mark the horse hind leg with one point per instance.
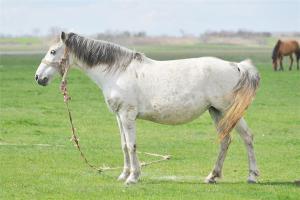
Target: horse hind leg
point(246, 135)
point(217, 171)
point(297, 58)
point(292, 60)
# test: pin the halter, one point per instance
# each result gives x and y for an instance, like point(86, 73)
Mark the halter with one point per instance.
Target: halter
point(63, 65)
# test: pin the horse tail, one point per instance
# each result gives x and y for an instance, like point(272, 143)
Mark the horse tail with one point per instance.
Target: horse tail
point(275, 50)
point(243, 94)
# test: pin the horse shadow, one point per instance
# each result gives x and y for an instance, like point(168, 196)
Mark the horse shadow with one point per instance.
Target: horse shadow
point(194, 180)
point(201, 182)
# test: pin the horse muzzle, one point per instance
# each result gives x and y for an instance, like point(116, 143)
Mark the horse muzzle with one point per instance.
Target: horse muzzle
point(41, 81)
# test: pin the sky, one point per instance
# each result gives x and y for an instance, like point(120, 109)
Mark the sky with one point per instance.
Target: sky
point(155, 17)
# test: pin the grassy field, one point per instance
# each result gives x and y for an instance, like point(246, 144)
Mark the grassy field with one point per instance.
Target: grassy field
point(32, 115)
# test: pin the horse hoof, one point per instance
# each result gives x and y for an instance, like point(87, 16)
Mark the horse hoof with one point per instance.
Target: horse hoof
point(251, 181)
point(297, 182)
point(131, 181)
point(210, 181)
point(123, 176)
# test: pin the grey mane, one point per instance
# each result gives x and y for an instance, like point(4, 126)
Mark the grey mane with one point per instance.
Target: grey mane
point(95, 52)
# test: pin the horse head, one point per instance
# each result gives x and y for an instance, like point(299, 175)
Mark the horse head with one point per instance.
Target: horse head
point(275, 54)
point(52, 62)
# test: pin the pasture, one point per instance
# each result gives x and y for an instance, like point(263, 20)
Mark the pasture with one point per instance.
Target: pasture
point(39, 162)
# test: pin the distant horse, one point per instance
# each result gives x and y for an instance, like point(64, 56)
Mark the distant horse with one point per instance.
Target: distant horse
point(285, 48)
point(167, 92)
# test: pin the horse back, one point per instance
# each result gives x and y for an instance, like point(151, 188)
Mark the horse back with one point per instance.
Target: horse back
point(288, 47)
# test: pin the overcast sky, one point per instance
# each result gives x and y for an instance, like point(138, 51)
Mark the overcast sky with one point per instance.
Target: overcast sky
point(155, 17)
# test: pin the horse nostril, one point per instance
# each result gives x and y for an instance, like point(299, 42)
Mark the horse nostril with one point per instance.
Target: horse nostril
point(36, 77)
point(43, 81)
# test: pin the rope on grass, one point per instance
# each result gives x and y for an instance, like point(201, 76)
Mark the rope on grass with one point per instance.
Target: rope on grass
point(143, 164)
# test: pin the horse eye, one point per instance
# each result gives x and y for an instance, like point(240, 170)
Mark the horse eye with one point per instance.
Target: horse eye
point(53, 52)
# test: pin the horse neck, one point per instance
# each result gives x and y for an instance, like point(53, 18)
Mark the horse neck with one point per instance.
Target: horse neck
point(276, 50)
point(96, 73)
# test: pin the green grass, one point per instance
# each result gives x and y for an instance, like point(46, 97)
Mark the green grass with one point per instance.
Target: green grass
point(31, 114)
point(23, 44)
point(20, 40)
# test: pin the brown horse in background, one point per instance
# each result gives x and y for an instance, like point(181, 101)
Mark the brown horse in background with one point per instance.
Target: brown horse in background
point(285, 48)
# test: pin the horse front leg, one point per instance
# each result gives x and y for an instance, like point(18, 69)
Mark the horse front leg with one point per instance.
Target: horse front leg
point(127, 119)
point(280, 61)
point(246, 135)
point(126, 169)
point(275, 65)
point(217, 171)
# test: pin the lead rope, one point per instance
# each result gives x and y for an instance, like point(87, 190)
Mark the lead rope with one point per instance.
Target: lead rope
point(65, 66)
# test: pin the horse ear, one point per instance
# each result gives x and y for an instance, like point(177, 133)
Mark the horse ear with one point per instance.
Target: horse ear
point(63, 36)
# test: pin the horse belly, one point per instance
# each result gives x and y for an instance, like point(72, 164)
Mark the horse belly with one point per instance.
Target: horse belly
point(168, 111)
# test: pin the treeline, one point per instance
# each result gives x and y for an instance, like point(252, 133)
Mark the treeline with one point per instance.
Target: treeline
point(239, 33)
point(111, 35)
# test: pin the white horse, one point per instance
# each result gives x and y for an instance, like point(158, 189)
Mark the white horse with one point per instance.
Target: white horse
point(166, 92)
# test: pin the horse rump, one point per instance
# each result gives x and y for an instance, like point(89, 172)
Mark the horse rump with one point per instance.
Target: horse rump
point(243, 94)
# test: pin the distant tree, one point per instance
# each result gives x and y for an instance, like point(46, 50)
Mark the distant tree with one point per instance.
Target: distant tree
point(126, 34)
point(140, 34)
